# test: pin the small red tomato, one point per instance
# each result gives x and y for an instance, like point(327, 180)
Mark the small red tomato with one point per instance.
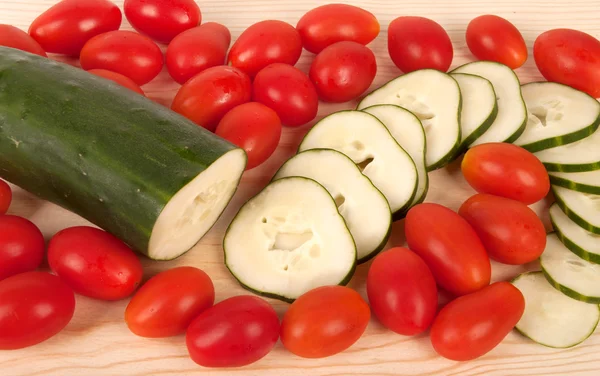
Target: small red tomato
point(34, 306)
point(506, 170)
point(343, 71)
point(197, 49)
point(68, 25)
point(233, 333)
point(94, 263)
point(255, 128)
point(118, 78)
point(332, 23)
point(13, 37)
point(209, 95)
point(472, 325)
point(264, 43)
point(162, 20)
point(21, 246)
point(324, 321)
point(125, 52)
point(5, 196)
point(419, 43)
point(288, 91)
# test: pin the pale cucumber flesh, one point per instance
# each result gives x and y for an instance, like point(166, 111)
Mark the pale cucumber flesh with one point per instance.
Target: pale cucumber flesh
point(579, 156)
point(587, 182)
point(582, 208)
point(580, 241)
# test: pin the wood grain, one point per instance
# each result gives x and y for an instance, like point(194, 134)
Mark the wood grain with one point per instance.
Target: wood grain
point(97, 341)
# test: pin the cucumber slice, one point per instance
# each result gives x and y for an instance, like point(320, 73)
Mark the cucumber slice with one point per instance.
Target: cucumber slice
point(289, 239)
point(363, 206)
point(512, 114)
point(557, 115)
point(408, 131)
point(579, 156)
point(434, 97)
point(588, 182)
point(582, 208)
point(551, 318)
point(364, 139)
point(581, 242)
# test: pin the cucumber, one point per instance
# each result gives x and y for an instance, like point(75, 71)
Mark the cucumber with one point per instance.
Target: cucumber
point(364, 139)
point(582, 208)
point(512, 115)
point(289, 239)
point(131, 166)
point(364, 208)
point(581, 242)
point(579, 156)
point(551, 318)
point(587, 182)
point(557, 115)
point(434, 97)
point(408, 131)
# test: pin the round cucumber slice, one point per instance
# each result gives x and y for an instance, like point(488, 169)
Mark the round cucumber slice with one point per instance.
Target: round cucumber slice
point(582, 208)
point(587, 182)
point(579, 156)
point(581, 242)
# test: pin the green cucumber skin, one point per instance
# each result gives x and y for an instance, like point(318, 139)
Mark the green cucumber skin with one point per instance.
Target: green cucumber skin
point(571, 246)
point(568, 292)
point(574, 186)
point(585, 167)
point(94, 148)
point(482, 129)
point(456, 151)
point(574, 217)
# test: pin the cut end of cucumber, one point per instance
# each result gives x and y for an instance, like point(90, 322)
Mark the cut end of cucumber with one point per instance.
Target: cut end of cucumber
point(582, 208)
point(581, 242)
point(578, 156)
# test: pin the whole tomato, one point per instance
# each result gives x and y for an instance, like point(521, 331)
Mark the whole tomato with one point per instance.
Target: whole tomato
point(343, 71)
point(118, 78)
point(5, 196)
point(494, 38)
point(69, 24)
point(22, 246)
point(13, 37)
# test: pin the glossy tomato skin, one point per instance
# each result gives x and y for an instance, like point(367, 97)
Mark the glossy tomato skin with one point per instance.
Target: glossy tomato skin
point(570, 57)
point(265, 43)
point(343, 71)
point(94, 263)
point(233, 333)
point(5, 196)
point(494, 38)
point(22, 246)
point(131, 54)
point(255, 128)
point(68, 25)
point(324, 321)
point(402, 291)
point(472, 325)
point(506, 170)
point(449, 246)
point(332, 23)
point(418, 43)
point(166, 304)
point(208, 96)
point(34, 306)
point(13, 37)
point(288, 91)
point(118, 78)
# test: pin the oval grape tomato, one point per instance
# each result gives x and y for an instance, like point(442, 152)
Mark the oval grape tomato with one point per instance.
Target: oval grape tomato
point(494, 38)
point(5, 196)
point(22, 246)
point(118, 78)
point(13, 37)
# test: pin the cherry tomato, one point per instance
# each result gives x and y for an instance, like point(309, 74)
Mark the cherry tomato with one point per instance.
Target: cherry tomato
point(118, 78)
point(264, 43)
point(34, 306)
point(94, 263)
point(125, 52)
point(68, 25)
point(209, 95)
point(324, 321)
point(419, 43)
point(506, 170)
point(494, 38)
point(235, 332)
point(332, 23)
point(162, 20)
point(197, 49)
point(289, 92)
point(449, 246)
point(343, 71)
point(255, 128)
point(21, 246)
point(13, 37)
point(472, 325)
point(570, 57)
point(5, 196)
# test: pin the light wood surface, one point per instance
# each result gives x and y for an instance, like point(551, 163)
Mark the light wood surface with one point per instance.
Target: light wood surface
point(97, 341)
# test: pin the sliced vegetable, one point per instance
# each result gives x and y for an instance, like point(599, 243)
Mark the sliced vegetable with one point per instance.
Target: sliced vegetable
point(494, 38)
point(11, 36)
point(579, 156)
point(22, 246)
point(581, 242)
point(582, 208)
point(587, 182)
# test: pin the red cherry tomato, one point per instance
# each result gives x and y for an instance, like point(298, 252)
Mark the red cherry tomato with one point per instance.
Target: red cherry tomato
point(235, 332)
point(125, 52)
point(324, 321)
point(449, 246)
point(166, 304)
point(162, 20)
point(94, 263)
point(332, 23)
point(197, 49)
point(289, 92)
point(570, 57)
point(13, 37)
point(343, 71)
point(506, 170)
point(68, 25)
point(494, 38)
point(472, 325)
point(118, 78)
point(264, 43)
point(5, 196)
point(22, 246)
point(34, 306)
point(419, 43)
point(255, 128)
